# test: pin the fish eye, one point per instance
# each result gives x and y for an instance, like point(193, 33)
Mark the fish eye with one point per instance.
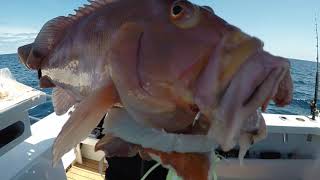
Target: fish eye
point(184, 14)
point(176, 10)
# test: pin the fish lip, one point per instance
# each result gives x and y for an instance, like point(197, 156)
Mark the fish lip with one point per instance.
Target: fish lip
point(209, 99)
point(277, 72)
point(219, 112)
point(281, 92)
point(284, 94)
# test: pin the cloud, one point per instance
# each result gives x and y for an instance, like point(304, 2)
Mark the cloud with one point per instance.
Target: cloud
point(12, 37)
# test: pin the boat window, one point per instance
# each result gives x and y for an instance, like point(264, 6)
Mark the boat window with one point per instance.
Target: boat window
point(10, 133)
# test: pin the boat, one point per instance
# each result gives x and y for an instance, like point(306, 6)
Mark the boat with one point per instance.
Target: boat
point(25, 149)
point(291, 150)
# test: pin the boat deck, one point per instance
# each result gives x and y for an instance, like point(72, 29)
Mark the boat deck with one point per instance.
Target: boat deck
point(89, 170)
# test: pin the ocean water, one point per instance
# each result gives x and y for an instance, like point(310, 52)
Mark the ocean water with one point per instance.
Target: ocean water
point(303, 74)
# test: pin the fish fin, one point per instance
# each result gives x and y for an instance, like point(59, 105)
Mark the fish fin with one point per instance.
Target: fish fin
point(54, 30)
point(116, 147)
point(62, 101)
point(24, 52)
point(85, 117)
point(87, 9)
point(90, 8)
point(105, 140)
point(48, 38)
point(245, 142)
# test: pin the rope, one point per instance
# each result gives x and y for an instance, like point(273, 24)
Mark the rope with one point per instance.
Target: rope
point(150, 171)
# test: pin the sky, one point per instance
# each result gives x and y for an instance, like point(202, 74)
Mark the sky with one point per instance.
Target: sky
point(287, 27)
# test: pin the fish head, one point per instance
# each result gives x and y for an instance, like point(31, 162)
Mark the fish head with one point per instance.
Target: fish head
point(177, 40)
point(182, 54)
point(187, 53)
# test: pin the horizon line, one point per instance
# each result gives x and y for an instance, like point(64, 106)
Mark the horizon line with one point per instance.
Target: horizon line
point(291, 58)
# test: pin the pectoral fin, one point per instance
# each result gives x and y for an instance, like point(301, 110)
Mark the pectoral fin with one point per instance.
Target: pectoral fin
point(86, 116)
point(116, 147)
point(62, 101)
point(24, 52)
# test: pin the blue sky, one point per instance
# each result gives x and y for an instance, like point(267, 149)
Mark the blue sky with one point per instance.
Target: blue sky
point(286, 26)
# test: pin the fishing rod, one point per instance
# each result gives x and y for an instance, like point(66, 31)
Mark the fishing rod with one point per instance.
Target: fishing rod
point(314, 102)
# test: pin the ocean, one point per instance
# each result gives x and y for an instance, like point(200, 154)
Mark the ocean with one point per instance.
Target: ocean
point(303, 74)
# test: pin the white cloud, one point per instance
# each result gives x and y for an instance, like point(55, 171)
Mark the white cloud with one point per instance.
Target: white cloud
point(13, 37)
point(17, 30)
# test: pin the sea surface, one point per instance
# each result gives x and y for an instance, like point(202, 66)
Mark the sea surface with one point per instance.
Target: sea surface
point(303, 74)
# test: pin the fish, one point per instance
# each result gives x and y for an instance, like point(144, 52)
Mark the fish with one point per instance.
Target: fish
point(175, 70)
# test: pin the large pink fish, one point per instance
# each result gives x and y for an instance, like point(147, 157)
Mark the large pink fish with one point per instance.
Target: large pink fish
point(163, 62)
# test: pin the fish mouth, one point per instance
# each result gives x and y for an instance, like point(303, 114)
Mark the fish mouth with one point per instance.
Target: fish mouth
point(239, 81)
point(278, 72)
point(240, 103)
point(232, 52)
